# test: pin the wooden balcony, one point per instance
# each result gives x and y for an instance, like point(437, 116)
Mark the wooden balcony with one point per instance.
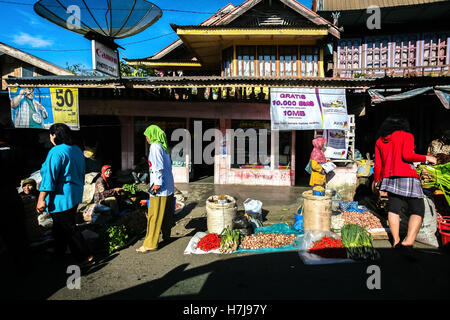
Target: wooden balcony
point(436, 71)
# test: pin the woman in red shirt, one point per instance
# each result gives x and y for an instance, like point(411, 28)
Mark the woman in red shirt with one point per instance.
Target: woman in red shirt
point(396, 177)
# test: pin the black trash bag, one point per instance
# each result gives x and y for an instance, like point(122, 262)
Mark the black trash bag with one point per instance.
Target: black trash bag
point(241, 222)
point(246, 231)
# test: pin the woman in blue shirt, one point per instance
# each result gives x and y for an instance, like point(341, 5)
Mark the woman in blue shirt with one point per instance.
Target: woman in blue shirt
point(61, 191)
point(161, 207)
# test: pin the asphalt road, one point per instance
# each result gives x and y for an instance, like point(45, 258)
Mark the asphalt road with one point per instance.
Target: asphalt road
point(168, 274)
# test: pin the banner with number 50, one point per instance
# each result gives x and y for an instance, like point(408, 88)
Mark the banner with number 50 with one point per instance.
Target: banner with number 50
point(39, 108)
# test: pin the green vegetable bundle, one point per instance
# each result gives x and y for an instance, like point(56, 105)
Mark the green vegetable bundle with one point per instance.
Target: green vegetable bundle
point(358, 243)
point(230, 240)
point(437, 177)
point(116, 237)
point(131, 188)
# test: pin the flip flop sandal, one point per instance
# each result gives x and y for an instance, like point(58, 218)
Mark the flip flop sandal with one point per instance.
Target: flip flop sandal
point(142, 250)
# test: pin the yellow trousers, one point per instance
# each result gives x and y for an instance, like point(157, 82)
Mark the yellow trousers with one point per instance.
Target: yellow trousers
point(159, 219)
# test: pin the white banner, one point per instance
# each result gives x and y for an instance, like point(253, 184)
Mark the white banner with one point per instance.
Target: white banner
point(336, 145)
point(105, 59)
point(308, 109)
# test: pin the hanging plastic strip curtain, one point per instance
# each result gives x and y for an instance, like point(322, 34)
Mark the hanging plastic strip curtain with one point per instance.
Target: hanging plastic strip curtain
point(442, 92)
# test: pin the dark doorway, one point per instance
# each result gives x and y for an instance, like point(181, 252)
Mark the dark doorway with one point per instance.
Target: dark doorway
point(303, 148)
point(103, 134)
point(201, 172)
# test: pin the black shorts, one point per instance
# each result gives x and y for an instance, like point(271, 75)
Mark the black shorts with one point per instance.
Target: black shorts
point(405, 205)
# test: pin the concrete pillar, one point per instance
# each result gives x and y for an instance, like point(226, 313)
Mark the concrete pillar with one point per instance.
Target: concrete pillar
point(127, 141)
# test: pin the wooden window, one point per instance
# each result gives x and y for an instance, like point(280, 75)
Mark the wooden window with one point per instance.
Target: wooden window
point(246, 56)
point(288, 61)
point(227, 62)
point(377, 54)
point(435, 49)
point(405, 53)
point(309, 59)
point(250, 144)
point(27, 71)
point(349, 57)
point(267, 61)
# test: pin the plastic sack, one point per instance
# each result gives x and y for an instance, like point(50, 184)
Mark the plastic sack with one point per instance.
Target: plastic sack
point(305, 242)
point(364, 167)
point(253, 208)
point(351, 206)
point(192, 245)
point(308, 167)
point(428, 229)
point(298, 223)
point(241, 222)
point(255, 223)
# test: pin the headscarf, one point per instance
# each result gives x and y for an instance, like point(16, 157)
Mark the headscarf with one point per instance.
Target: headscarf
point(89, 152)
point(156, 134)
point(317, 153)
point(29, 181)
point(107, 180)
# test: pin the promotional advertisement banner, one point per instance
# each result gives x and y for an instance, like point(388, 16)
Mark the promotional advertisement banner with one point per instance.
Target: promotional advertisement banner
point(337, 144)
point(39, 108)
point(308, 109)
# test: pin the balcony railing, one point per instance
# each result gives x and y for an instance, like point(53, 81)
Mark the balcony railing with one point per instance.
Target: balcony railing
point(443, 70)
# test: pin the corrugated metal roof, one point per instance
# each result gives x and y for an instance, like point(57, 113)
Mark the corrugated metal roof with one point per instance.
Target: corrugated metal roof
point(333, 5)
point(218, 81)
point(185, 81)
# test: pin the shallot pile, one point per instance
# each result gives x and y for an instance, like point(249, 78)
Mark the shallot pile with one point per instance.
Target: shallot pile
point(366, 220)
point(266, 240)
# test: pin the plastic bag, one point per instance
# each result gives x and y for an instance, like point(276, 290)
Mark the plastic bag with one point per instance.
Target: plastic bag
point(253, 206)
point(241, 222)
point(305, 242)
point(255, 223)
point(427, 232)
point(308, 167)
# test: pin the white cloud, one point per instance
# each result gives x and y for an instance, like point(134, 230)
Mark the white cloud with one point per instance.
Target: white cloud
point(33, 41)
point(31, 18)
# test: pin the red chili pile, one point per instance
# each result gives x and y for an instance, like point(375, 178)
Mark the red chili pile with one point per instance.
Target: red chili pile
point(209, 242)
point(329, 248)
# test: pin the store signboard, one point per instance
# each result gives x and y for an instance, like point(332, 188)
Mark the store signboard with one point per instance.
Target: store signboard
point(39, 108)
point(308, 109)
point(105, 59)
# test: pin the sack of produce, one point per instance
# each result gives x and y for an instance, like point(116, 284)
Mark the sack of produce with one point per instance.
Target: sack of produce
point(428, 229)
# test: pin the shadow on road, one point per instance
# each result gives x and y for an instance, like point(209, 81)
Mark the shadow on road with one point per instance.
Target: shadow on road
point(283, 276)
point(42, 277)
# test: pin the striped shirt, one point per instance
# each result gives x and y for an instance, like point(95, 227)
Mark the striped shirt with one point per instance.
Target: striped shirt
point(403, 186)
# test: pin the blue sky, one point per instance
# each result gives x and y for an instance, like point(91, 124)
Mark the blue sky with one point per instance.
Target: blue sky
point(24, 29)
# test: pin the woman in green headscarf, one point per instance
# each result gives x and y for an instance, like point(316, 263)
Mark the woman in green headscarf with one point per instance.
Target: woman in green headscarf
point(161, 207)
